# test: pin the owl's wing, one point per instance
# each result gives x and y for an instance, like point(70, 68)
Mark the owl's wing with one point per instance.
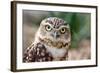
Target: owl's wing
point(37, 53)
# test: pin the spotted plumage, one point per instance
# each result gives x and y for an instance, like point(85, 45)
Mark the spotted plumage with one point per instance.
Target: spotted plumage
point(37, 53)
point(51, 43)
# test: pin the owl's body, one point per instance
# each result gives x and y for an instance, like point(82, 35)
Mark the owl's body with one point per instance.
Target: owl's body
point(51, 43)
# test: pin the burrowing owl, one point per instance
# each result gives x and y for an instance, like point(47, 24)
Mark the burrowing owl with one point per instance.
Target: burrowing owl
point(51, 43)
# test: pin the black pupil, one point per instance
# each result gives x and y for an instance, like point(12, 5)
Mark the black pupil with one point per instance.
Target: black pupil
point(63, 29)
point(48, 27)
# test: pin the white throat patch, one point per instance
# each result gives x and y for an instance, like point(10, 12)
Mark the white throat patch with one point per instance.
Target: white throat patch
point(56, 53)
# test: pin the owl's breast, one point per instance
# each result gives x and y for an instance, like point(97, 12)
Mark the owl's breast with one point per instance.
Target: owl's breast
point(56, 53)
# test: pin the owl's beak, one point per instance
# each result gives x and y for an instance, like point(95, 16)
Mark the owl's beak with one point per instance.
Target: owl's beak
point(55, 35)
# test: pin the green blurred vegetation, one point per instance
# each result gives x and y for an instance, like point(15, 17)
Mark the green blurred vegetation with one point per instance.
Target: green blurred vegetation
point(80, 23)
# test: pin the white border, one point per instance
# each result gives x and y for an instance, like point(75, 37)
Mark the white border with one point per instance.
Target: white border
point(21, 65)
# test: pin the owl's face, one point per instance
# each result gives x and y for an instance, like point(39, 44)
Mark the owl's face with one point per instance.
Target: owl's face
point(54, 29)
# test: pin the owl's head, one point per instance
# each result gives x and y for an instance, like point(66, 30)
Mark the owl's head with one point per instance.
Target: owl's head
point(54, 29)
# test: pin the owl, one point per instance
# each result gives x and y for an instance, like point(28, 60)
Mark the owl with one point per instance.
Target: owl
point(52, 41)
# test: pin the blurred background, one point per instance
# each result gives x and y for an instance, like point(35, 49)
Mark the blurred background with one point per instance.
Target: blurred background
point(80, 24)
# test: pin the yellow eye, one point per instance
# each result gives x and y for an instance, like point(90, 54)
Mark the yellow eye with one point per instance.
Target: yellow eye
point(48, 28)
point(63, 30)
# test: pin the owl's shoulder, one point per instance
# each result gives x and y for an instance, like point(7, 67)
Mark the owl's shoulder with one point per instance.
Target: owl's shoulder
point(37, 53)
